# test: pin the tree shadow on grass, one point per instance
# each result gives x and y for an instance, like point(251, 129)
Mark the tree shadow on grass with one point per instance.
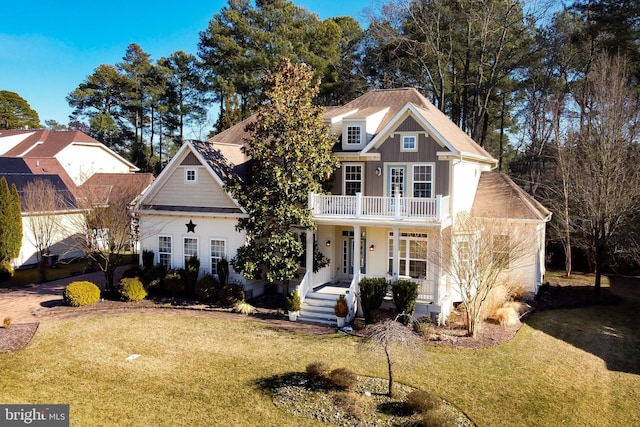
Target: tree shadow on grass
point(605, 325)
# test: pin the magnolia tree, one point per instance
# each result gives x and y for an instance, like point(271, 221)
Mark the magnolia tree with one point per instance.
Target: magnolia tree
point(290, 147)
point(477, 253)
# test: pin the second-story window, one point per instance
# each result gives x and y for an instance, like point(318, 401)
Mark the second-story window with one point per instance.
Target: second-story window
point(190, 175)
point(423, 181)
point(354, 135)
point(352, 179)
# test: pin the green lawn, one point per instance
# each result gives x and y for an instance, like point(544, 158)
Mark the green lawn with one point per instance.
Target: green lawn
point(566, 367)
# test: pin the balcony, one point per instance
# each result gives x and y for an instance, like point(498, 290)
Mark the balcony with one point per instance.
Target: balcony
point(384, 208)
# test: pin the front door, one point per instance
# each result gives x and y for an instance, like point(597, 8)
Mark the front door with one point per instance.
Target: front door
point(348, 244)
point(396, 186)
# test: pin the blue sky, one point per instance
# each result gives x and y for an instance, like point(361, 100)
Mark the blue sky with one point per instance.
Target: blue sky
point(48, 47)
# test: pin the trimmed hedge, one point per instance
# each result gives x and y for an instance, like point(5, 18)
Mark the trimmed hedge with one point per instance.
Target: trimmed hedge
point(405, 294)
point(131, 289)
point(372, 293)
point(81, 293)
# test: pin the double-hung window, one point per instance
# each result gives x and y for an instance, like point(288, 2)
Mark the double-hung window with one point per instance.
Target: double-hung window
point(423, 181)
point(412, 253)
point(190, 249)
point(217, 253)
point(352, 179)
point(164, 251)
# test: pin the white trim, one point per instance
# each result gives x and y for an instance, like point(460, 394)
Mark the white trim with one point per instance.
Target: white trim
point(344, 167)
point(171, 257)
point(404, 136)
point(432, 181)
point(225, 252)
point(360, 128)
point(184, 255)
point(187, 173)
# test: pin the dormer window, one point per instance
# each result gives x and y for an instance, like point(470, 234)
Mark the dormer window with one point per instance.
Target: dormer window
point(354, 135)
point(409, 143)
point(191, 176)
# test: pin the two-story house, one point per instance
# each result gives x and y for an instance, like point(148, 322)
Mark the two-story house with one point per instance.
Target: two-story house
point(405, 171)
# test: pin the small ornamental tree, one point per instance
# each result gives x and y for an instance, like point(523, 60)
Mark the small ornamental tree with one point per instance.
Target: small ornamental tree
point(291, 151)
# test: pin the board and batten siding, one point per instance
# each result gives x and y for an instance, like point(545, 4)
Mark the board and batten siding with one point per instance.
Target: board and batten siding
point(206, 192)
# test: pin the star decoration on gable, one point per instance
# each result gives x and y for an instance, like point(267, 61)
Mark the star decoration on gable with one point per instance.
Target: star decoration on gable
point(191, 227)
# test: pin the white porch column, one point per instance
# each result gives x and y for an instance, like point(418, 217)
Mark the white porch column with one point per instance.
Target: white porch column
point(396, 253)
point(357, 238)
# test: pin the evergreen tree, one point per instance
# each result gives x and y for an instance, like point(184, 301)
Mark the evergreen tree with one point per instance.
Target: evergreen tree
point(291, 151)
point(10, 222)
point(15, 112)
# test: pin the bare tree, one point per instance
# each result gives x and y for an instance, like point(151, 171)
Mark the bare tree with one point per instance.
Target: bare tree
point(605, 177)
point(479, 255)
point(387, 335)
point(43, 204)
point(107, 232)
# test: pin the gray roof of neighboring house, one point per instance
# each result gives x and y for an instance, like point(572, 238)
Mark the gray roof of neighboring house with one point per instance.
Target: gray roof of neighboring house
point(13, 165)
point(499, 197)
point(21, 180)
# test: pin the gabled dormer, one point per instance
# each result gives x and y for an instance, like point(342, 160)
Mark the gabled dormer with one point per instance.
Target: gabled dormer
point(359, 128)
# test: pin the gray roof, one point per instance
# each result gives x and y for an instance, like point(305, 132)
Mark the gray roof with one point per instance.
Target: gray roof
point(21, 180)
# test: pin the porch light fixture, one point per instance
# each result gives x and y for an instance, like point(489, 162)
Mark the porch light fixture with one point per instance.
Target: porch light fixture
point(378, 171)
point(328, 243)
point(372, 247)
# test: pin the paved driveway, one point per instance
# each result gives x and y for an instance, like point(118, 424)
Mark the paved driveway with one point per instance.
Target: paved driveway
point(26, 304)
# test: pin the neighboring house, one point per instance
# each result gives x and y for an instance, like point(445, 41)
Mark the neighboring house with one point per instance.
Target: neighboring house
point(405, 172)
point(73, 155)
point(78, 166)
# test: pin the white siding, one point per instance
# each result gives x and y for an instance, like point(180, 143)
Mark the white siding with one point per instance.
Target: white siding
point(81, 161)
point(464, 181)
point(207, 228)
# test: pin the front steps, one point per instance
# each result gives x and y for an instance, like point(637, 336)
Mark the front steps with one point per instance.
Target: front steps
point(317, 306)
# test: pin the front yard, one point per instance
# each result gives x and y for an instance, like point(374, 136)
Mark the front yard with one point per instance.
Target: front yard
point(565, 367)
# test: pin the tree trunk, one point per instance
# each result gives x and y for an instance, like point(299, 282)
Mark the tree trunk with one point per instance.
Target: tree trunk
point(389, 365)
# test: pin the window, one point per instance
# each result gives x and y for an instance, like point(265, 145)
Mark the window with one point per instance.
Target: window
point(164, 251)
point(423, 181)
point(500, 250)
point(409, 143)
point(412, 252)
point(354, 135)
point(352, 179)
point(190, 175)
point(217, 253)
point(190, 249)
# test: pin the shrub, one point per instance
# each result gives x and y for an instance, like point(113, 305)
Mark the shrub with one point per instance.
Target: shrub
point(342, 379)
point(352, 404)
point(424, 327)
point(6, 271)
point(131, 289)
point(405, 294)
point(244, 307)
point(191, 273)
point(439, 418)
point(173, 283)
point(422, 401)
point(134, 271)
point(6, 323)
point(82, 293)
point(230, 295)
point(292, 303)
point(317, 370)
point(153, 279)
point(207, 288)
point(372, 293)
point(147, 259)
point(223, 271)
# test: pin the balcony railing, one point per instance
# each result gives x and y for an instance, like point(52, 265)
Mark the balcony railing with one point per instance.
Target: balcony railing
point(360, 206)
